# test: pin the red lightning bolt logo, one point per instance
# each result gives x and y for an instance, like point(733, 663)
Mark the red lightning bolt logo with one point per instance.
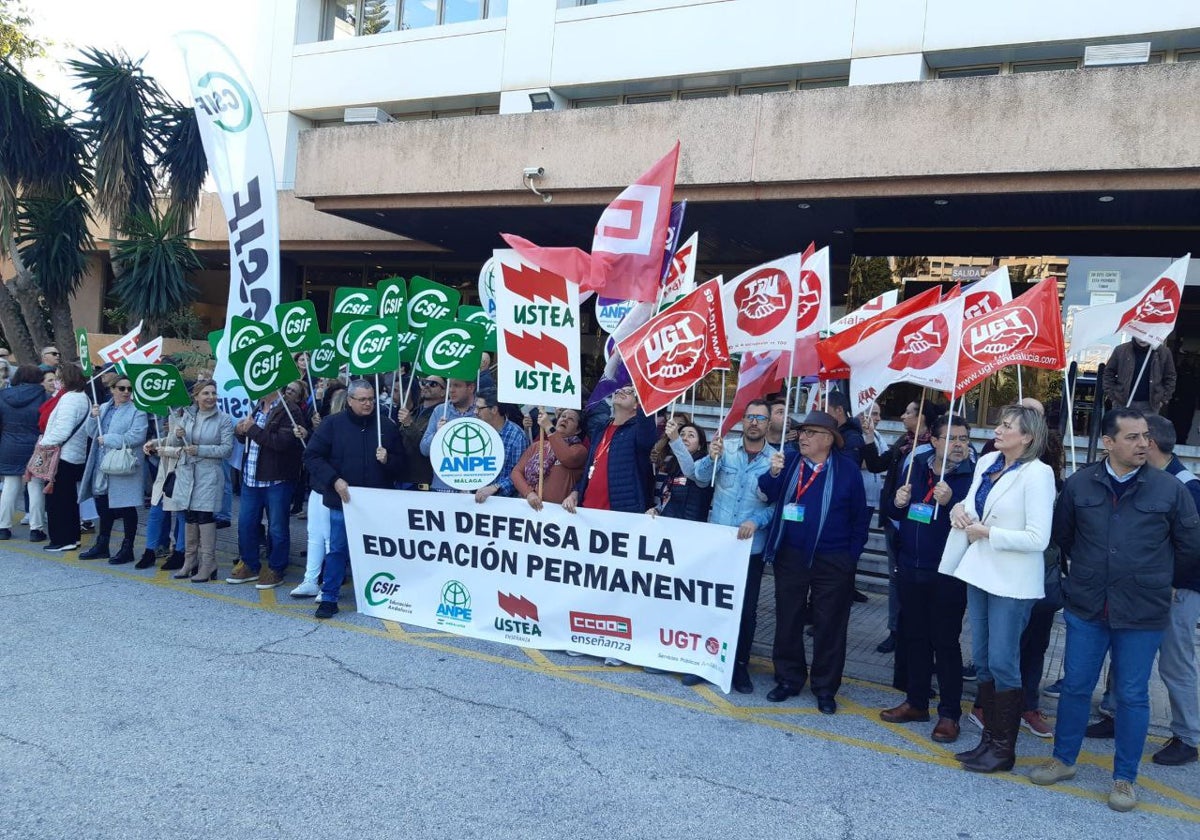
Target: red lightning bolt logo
point(531, 284)
point(535, 350)
point(518, 606)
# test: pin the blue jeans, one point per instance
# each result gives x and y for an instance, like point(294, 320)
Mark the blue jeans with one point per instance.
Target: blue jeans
point(275, 499)
point(996, 627)
point(1132, 658)
point(158, 529)
point(337, 559)
point(225, 514)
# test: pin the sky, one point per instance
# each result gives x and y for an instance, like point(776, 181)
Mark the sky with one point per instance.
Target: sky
point(140, 28)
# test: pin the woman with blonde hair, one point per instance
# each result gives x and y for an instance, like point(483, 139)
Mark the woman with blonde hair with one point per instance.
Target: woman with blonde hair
point(997, 537)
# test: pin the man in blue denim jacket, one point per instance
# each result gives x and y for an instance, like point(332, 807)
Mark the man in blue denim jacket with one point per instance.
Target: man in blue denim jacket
point(738, 503)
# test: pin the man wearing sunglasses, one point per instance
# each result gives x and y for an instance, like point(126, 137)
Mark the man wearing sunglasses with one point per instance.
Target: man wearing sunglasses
point(418, 471)
point(737, 503)
point(50, 359)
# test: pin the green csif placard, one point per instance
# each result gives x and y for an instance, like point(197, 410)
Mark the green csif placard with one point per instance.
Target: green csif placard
point(157, 388)
point(298, 325)
point(373, 346)
point(451, 349)
point(324, 359)
point(265, 366)
point(84, 350)
point(477, 315)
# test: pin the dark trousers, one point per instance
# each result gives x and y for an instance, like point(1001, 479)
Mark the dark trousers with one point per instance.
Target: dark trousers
point(932, 606)
point(108, 515)
point(62, 506)
point(830, 582)
point(1034, 642)
point(754, 573)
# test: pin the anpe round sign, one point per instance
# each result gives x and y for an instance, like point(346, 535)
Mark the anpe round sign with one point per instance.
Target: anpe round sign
point(467, 453)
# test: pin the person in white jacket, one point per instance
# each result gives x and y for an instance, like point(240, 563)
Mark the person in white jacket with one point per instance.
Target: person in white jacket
point(995, 545)
point(65, 428)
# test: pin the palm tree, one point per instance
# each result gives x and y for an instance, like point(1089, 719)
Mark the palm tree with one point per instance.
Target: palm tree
point(150, 168)
point(43, 215)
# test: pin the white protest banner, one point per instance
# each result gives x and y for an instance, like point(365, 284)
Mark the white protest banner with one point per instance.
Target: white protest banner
point(537, 327)
point(239, 159)
point(653, 591)
point(122, 347)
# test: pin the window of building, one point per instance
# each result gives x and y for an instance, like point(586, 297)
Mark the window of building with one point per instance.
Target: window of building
point(599, 102)
point(641, 98)
point(817, 84)
point(968, 72)
point(754, 90)
point(1187, 55)
point(710, 93)
point(351, 18)
point(1045, 66)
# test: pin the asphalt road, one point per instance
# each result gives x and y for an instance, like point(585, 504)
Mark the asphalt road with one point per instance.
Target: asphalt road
point(135, 706)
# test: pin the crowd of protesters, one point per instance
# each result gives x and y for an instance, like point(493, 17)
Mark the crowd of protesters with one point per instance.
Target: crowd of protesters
point(996, 536)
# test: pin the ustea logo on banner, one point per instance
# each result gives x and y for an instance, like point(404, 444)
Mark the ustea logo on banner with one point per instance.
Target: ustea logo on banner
point(762, 301)
point(989, 338)
point(225, 102)
point(522, 623)
point(467, 453)
point(920, 343)
point(455, 607)
point(669, 354)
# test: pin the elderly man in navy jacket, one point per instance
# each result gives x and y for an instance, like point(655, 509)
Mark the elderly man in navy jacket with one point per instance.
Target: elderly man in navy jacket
point(348, 451)
point(816, 537)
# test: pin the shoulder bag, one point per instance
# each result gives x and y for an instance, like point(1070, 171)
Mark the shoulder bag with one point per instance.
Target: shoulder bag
point(43, 463)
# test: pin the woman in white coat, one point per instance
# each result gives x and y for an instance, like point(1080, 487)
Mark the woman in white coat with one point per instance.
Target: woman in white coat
point(64, 428)
point(995, 545)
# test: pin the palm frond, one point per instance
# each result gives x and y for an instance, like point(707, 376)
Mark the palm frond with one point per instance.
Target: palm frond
point(182, 161)
point(157, 260)
point(53, 237)
point(119, 131)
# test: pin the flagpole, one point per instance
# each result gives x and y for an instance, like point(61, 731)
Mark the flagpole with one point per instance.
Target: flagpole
point(1020, 389)
point(917, 428)
point(787, 400)
point(1069, 385)
point(720, 425)
point(1141, 373)
point(953, 386)
point(288, 411)
point(413, 370)
point(378, 413)
point(312, 389)
point(541, 453)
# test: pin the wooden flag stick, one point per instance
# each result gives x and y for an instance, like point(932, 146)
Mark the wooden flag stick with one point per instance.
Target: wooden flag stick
point(1141, 373)
point(288, 412)
point(378, 413)
point(1020, 388)
point(720, 425)
point(1069, 386)
point(542, 454)
point(916, 433)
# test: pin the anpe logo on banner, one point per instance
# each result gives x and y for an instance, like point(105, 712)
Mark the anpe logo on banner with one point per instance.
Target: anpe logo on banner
point(518, 607)
point(487, 286)
point(762, 301)
point(668, 355)
point(920, 343)
point(978, 304)
point(992, 337)
point(627, 224)
point(225, 102)
point(1159, 305)
point(455, 608)
point(467, 453)
point(616, 626)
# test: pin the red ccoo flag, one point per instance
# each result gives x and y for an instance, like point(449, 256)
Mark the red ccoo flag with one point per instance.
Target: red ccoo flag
point(629, 241)
point(531, 284)
point(534, 350)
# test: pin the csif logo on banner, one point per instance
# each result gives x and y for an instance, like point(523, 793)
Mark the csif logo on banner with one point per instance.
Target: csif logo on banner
point(224, 101)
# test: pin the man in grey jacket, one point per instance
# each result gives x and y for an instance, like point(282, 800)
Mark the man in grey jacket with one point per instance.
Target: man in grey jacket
point(1125, 530)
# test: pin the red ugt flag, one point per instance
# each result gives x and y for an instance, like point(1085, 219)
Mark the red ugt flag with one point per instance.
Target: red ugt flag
point(677, 348)
point(627, 248)
point(1026, 331)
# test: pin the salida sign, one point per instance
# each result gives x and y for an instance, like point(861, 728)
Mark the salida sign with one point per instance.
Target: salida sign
point(537, 321)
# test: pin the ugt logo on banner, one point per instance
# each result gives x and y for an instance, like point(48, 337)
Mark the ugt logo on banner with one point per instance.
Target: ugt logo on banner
point(467, 453)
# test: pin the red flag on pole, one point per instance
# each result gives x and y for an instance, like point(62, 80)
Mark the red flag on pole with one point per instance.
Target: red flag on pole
point(758, 376)
point(1026, 331)
point(627, 248)
point(677, 348)
point(830, 349)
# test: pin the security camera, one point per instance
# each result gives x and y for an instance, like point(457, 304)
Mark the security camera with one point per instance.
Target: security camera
point(534, 171)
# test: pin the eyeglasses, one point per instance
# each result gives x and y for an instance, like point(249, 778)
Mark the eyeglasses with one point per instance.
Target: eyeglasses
point(362, 399)
point(626, 391)
point(430, 383)
point(756, 418)
point(482, 407)
point(811, 432)
point(122, 388)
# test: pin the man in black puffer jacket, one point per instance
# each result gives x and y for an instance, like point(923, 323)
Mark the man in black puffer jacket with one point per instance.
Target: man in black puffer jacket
point(345, 453)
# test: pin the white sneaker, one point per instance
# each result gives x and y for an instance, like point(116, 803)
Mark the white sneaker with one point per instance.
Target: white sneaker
point(573, 653)
point(306, 590)
point(613, 663)
point(24, 520)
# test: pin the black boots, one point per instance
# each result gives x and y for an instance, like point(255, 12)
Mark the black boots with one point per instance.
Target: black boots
point(174, 562)
point(1004, 721)
point(149, 558)
point(985, 698)
point(124, 554)
point(99, 549)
